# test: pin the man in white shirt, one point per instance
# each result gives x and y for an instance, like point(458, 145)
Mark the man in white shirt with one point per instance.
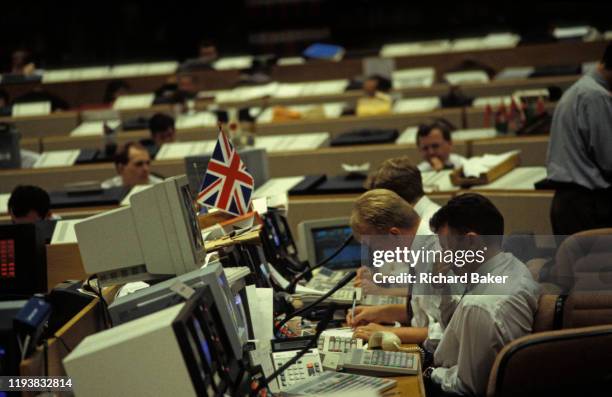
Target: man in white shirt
point(489, 315)
point(381, 217)
point(435, 144)
point(133, 165)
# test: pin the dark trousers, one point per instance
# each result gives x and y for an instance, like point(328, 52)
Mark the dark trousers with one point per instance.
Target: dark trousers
point(575, 208)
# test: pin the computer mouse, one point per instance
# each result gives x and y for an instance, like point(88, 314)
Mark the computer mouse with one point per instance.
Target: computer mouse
point(387, 341)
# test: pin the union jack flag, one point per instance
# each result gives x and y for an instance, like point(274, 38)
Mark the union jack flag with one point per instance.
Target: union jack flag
point(227, 184)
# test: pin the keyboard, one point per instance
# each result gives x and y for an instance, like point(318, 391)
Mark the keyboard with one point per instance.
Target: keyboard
point(375, 300)
point(338, 344)
point(380, 362)
point(336, 382)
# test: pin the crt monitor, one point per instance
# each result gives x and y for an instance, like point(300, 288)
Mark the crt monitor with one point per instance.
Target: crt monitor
point(179, 351)
point(255, 160)
point(10, 356)
point(157, 236)
point(321, 237)
point(161, 295)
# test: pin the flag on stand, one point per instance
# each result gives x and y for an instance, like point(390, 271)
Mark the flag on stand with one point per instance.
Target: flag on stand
point(227, 184)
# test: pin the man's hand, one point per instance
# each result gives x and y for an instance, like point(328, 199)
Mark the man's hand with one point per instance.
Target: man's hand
point(365, 315)
point(364, 332)
point(363, 274)
point(436, 163)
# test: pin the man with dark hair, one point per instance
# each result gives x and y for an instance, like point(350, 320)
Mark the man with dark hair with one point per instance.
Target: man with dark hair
point(488, 315)
point(162, 129)
point(436, 146)
point(579, 162)
point(132, 163)
point(400, 176)
point(29, 204)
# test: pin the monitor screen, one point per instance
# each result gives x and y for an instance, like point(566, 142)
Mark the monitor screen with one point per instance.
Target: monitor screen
point(326, 242)
point(7, 259)
point(192, 218)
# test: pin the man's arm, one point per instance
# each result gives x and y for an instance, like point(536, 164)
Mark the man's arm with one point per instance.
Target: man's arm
point(479, 343)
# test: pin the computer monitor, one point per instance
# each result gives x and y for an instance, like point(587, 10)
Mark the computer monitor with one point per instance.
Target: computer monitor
point(251, 256)
point(161, 295)
point(10, 356)
point(321, 237)
point(157, 236)
point(23, 259)
point(179, 351)
point(256, 161)
point(278, 244)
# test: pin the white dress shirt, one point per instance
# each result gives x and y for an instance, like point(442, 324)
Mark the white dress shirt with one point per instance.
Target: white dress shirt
point(454, 161)
point(117, 181)
point(425, 208)
point(488, 317)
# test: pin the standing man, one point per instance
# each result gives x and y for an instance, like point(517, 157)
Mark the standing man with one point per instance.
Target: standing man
point(579, 162)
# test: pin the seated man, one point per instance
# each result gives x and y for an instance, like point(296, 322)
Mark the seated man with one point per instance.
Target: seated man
point(435, 144)
point(29, 204)
point(161, 127)
point(132, 163)
point(401, 177)
point(378, 216)
point(489, 315)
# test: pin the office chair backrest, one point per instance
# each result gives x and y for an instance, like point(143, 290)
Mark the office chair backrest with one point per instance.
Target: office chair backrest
point(584, 261)
point(588, 308)
point(549, 314)
point(566, 362)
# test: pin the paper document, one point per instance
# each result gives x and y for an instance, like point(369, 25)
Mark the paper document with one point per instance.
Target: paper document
point(415, 48)
point(159, 68)
point(467, 44)
point(129, 70)
point(474, 166)
point(57, 158)
point(180, 150)
point(572, 31)
point(4, 199)
point(493, 101)
point(31, 109)
point(329, 87)
point(64, 232)
point(438, 181)
point(473, 133)
point(408, 136)
point(291, 142)
point(93, 128)
point(501, 40)
point(136, 101)
point(467, 77)
point(416, 105)
point(238, 62)
point(417, 77)
point(277, 186)
point(364, 168)
point(521, 178)
point(290, 61)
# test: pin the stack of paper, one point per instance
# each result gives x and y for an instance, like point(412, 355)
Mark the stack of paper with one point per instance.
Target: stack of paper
point(135, 101)
point(416, 105)
point(31, 109)
point(93, 128)
point(195, 120)
point(501, 40)
point(329, 87)
point(521, 178)
point(291, 142)
point(246, 93)
point(418, 77)
point(571, 32)
point(473, 133)
point(180, 150)
point(415, 48)
point(467, 44)
point(277, 186)
point(467, 77)
point(474, 166)
point(493, 101)
point(238, 62)
point(57, 158)
point(408, 136)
